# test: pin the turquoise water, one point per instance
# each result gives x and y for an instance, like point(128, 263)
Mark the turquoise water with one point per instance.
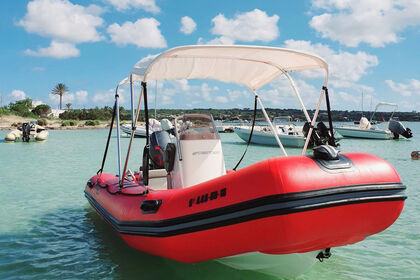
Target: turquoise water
point(49, 231)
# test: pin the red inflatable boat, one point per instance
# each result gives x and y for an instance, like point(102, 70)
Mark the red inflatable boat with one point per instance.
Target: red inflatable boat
point(275, 216)
point(278, 206)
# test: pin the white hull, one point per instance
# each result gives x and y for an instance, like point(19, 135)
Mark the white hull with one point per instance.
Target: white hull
point(364, 133)
point(290, 265)
point(16, 136)
point(267, 138)
point(139, 132)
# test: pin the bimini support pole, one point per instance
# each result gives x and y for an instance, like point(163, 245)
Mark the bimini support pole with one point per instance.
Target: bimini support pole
point(118, 132)
point(133, 129)
point(308, 137)
point(273, 128)
point(292, 84)
point(132, 100)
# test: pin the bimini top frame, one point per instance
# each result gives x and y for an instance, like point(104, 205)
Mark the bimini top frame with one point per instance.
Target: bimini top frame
point(384, 104)
point(251, 66)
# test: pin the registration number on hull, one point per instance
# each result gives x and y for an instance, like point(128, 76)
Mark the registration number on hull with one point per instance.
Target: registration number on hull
point(207, 197)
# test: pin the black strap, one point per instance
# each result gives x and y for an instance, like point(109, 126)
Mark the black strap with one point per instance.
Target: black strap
point(331, 139)
point(109, 137)
point(147, 147)
point(250, 135)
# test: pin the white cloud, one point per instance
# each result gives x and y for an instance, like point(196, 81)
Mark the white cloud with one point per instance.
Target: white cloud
point(251, 26)
point(79, 97)
point(62, 20)
point(188, 25)
point(176, 87)
point(409, 105)
point(56, 49)
point(408, 89)
point(144, 33)
point(17, 95)
point(373, 22)
point(281, 94)
point(206, 91)
point(222, 40)
point(147, 5)
point(348, 98)
point(235, 94)
point(166, 99)
point(107, 97)
point(221, 99)
point(345, 68)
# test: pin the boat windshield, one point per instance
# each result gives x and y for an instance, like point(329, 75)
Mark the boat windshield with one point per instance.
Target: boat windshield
point(197, 127)
point(282, 120)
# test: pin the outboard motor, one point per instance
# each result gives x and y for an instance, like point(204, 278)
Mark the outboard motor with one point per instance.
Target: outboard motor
point(26, 132)
point(158, 142)
point(397, 128)
point(320, 134)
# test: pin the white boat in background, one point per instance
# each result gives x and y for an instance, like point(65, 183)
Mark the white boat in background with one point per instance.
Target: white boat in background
point(367, 130)
point(154, 125)
point(289, 134)
point(29, 131)
point(227, 127)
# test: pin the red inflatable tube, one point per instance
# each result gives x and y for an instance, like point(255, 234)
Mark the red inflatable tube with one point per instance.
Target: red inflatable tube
point(277, 206)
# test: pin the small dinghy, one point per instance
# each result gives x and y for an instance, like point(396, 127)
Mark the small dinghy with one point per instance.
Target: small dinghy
point(29, 131)
point(415, 154)
point(277, 216)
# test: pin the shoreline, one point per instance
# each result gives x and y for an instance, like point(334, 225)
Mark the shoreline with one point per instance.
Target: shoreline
point(6, 122)
point(62, 127)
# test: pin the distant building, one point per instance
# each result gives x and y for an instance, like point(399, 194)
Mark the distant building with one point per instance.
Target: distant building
point(56, 112)
point(36, 103)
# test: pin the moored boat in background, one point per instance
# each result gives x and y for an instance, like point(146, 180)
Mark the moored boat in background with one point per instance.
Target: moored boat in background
point(140, 131)
point(289, 134)
point(367, 129)
point(29, 131)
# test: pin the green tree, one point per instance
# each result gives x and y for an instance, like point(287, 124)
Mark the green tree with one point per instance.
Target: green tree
point(42, 110)
point(22, 107)
point(60, 89)
point(68, 106)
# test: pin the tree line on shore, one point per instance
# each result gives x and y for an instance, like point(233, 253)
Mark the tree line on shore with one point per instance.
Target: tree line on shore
point(24, 108)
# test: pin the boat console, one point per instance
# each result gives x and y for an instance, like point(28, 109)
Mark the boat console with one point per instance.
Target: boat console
point(200, 156)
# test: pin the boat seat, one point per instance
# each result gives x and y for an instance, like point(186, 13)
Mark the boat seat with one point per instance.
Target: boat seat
point(157, 173)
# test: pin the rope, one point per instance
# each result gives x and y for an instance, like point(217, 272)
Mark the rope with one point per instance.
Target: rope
point(250, 135)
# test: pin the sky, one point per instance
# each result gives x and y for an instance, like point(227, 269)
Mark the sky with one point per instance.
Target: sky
point(372, 48)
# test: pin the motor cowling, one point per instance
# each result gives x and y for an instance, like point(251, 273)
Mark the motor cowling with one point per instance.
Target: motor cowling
point(158, 142)
point(320, 134)
point(397, 128)
point(26, 132)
